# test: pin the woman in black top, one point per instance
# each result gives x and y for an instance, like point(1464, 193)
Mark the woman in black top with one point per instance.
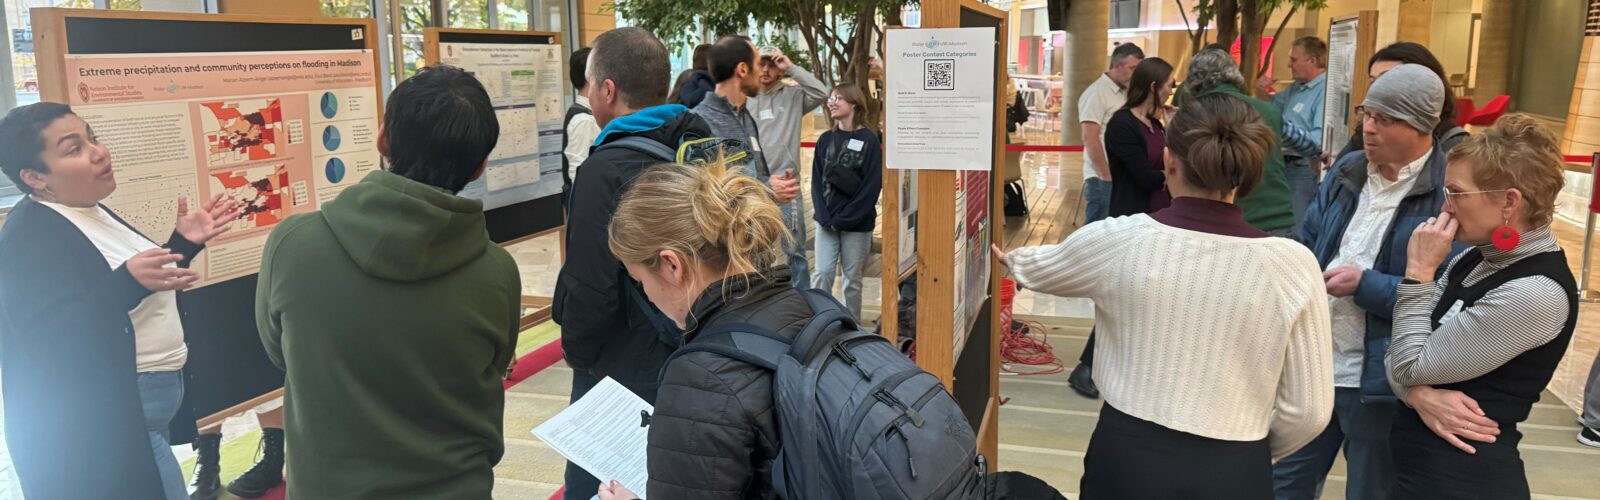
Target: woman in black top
point(83, 418)
point(1473, 348)
point(1135, 141)
point(846, 179)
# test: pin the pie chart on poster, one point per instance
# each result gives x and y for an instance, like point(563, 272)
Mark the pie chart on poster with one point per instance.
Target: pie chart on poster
point(330, 138)
point(334, 170)
point(330, 105)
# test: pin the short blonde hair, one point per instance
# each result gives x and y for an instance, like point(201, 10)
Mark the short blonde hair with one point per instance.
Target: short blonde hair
point(1517, 153)
point(713, 217)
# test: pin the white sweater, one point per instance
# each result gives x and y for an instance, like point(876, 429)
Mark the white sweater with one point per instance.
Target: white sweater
point(1218, 336)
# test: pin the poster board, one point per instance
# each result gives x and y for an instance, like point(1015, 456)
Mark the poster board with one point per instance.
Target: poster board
point(281, 113)
point(1351, 43)
point(522, 70)
point(956, 314)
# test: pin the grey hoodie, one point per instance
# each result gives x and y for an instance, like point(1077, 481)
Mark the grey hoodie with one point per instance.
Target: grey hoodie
point(778, 114)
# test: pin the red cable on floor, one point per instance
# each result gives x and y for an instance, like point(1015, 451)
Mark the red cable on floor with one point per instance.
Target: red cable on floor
point(1023, 343)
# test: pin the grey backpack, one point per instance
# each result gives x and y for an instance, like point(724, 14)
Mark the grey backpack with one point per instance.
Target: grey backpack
point(857, 419)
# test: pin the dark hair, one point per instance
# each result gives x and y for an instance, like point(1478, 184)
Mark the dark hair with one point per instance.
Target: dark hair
point(701, 52)
point(576, 68)
point(1150, 72)
point(726, 56)
point(1315, 48)
point(851, 93)
point(1413, 53)
point(1222, 142)
point(636, 62)
point(20, 143)
point(440, 127)
point(675, 96)
point(1124, 51)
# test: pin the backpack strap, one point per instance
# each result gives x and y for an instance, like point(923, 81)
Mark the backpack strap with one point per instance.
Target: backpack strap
point(741, 341)
point(644, 145)
point(825, 312)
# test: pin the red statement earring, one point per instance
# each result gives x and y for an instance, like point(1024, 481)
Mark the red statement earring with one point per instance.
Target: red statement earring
point(1506, 237)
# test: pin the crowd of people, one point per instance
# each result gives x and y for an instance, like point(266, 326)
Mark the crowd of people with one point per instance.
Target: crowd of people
point(1407, 308)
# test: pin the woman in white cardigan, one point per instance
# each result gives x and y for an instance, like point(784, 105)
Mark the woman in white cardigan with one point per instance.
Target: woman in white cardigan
point(1214, 352)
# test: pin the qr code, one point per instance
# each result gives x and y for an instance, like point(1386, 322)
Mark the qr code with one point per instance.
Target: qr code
point(939, 74)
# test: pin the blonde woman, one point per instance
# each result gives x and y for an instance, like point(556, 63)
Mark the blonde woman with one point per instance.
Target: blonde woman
point(1474, 346)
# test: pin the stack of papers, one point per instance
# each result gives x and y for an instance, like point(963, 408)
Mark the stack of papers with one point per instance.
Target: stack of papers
point(604, 433)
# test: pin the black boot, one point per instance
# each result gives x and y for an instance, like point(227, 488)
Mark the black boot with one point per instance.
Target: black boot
point(1082, 381)
point(207, 483)
point(268, 473)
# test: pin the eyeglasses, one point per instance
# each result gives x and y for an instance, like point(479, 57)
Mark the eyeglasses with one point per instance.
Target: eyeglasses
point(1450, 196)
point(1376, 117)
point(833, 99)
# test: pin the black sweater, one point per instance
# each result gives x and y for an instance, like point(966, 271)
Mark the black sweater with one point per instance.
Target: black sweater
point(846, 179)
point(1133, 178)
point(74, 421)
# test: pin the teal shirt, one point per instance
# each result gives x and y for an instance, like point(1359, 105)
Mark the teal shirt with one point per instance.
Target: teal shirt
point(1302, 105)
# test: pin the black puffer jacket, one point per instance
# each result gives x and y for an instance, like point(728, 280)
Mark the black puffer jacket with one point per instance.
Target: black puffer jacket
point(715, 430)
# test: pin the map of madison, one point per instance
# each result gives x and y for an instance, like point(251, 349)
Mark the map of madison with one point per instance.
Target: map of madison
point(260, 192)
point(241, 131)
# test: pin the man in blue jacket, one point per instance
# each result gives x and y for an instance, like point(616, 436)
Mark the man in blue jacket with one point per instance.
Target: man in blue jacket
point(1358, 227)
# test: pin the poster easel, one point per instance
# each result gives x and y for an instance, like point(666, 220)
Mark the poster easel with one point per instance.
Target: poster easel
point(973, 376)
point(1352, 40)
point(228, 370)
point(526, 219)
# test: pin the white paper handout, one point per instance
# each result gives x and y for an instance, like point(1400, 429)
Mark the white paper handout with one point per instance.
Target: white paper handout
point(602, 433)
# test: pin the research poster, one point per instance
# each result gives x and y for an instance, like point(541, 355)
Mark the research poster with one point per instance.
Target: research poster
point(908, 220)
point(524, 85)
point(940, 98)
point(1339, 84)
point(971, 252)
point(278, 132)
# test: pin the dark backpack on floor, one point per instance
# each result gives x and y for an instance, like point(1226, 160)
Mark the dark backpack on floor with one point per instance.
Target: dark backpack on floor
point(1016, 200)
point(857, 419)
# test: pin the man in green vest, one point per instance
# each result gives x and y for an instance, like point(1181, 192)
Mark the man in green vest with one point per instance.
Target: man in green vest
point(1270, 206)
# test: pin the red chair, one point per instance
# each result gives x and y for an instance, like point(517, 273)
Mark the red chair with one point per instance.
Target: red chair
point(1486, 115)
point(1465, 108)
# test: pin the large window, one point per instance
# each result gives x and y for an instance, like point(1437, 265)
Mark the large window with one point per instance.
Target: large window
point(472, 14)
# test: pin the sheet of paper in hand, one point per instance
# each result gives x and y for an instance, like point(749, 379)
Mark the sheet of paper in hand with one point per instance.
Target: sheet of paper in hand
point(604, 432)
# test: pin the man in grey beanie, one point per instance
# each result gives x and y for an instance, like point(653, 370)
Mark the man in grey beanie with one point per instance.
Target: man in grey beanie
point(1358, 226)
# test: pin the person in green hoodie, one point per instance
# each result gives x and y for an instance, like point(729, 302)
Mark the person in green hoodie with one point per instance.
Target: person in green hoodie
point(393, 314)
point(1270, 207)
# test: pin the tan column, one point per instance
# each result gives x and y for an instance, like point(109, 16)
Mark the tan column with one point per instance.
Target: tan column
point(1086, 55)
point(1582, 135)
point(1416, 20)
point(1494, 52)
point(594, 18)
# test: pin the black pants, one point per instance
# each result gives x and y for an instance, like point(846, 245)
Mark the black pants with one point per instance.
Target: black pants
point(1087, 357)
point(1427, 466)
point(1134, 459)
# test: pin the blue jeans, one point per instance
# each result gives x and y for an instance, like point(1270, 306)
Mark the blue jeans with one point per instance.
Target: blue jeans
point(846, 249)
point(1302, 179)
point(161, 393)
point(794, 218)
point(1363, 430)
point(1097, 200)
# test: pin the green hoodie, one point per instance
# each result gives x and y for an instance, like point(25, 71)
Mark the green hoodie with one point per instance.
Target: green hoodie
point(394, 317)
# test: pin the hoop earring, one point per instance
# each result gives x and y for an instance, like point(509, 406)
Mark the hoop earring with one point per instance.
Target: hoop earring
point(1505, 237)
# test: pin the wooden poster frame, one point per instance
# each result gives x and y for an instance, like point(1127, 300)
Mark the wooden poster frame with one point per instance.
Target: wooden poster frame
point(51, 47)
point(541, 306)
point(935, 267)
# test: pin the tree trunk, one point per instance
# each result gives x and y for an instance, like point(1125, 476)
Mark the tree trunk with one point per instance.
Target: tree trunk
point(1227, 21)
point(1251, 21)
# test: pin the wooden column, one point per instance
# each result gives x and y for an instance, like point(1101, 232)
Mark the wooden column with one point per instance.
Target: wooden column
point(594, 17)
point(1494, 51)
point(1582, 135)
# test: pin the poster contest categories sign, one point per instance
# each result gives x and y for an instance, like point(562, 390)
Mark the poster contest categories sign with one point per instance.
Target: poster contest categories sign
point(940, 98)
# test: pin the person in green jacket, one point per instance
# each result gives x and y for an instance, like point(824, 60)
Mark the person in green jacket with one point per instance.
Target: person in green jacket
point(393, 313)
point(1270, 206)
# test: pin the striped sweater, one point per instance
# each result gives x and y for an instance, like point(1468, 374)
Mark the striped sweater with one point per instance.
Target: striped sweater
point(1520, 315)
point(1218, 336)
